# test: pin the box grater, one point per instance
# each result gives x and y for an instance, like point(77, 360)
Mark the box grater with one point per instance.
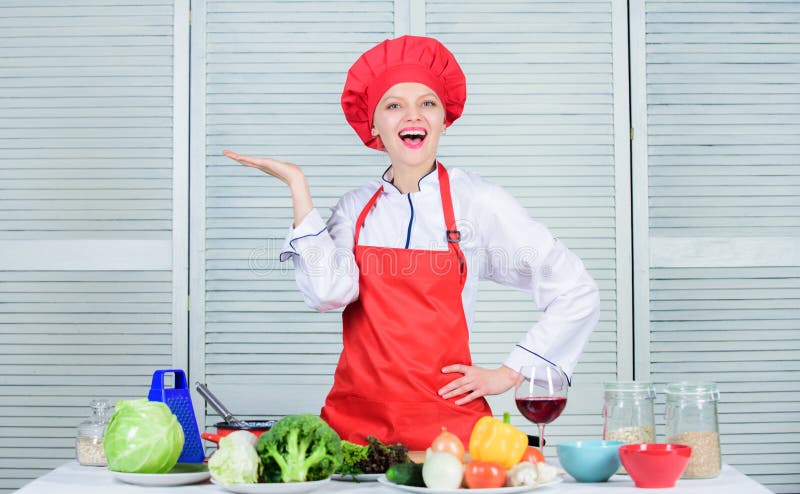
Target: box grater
point(179, 401)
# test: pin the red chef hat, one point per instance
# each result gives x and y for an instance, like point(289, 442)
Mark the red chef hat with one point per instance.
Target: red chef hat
point(403, 59)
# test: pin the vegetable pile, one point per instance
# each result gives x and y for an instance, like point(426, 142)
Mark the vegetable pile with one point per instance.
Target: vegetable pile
point(303, 448)
point(142, 437)
point(500, 456)
point(298, 448)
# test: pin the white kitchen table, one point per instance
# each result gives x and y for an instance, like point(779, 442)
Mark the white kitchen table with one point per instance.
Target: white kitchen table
point(72, 478)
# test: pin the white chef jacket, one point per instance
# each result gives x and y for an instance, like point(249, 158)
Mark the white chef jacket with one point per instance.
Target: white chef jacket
point(500, 242)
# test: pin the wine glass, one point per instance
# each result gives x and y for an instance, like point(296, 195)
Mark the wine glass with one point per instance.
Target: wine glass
point(541, 394)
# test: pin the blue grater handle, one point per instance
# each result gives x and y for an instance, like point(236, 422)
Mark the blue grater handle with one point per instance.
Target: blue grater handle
point(157, 385)
point(179, 401)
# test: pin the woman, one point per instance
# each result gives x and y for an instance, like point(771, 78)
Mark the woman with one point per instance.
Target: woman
point(404, 253)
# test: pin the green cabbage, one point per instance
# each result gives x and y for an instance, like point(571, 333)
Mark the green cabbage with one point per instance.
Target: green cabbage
point(143, 437)
point(236, 461)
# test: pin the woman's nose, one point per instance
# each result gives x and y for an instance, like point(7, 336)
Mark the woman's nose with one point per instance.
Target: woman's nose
point(412, 113)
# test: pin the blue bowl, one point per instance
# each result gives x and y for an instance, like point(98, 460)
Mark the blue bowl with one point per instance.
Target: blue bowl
point(590, 461)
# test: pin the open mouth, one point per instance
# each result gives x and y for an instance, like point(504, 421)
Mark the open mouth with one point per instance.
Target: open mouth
point(413, 137)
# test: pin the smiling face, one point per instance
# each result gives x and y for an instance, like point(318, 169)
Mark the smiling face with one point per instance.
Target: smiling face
point(409, 119)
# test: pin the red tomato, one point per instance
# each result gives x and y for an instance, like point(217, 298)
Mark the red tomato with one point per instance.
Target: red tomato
point(484, 475)
point(533, 455)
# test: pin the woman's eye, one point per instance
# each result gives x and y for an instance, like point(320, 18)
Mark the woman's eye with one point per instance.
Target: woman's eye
point(429, 103)
point(392, 106)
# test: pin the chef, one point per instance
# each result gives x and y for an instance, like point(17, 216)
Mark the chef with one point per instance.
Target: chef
point(403, 255)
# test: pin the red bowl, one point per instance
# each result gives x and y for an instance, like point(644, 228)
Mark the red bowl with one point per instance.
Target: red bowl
point(653, 465)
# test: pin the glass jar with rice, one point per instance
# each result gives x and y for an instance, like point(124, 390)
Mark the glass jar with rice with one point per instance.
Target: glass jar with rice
point(89, 449)
point(628, 412)
point(691, 419)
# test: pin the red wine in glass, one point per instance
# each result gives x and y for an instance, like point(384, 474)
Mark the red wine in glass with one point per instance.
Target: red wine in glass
point(541, 393)
point(541, 409)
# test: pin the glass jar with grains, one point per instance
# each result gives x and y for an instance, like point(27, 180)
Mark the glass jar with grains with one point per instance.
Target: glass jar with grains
point(628, 413)
point(691, 419)
point(89, 441)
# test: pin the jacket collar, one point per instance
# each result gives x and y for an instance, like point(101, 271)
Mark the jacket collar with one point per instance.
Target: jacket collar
point(429, 180)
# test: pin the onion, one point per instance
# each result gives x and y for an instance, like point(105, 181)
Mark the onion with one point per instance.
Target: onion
point(447, 442)
point(442, 471)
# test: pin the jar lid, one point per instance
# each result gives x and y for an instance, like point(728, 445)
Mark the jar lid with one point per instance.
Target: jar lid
point(638, 388)
point(705, 391)
point(100, 406)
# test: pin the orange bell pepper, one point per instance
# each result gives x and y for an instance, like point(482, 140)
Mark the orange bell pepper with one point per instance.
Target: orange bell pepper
point(497, 441)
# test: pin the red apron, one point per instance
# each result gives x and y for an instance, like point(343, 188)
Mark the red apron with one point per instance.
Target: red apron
point(407, 324)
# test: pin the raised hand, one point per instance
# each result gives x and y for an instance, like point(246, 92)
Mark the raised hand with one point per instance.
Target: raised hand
point(288, 173)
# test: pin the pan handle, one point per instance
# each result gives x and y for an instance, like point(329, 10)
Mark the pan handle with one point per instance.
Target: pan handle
point(216, 404)
point(214, 438)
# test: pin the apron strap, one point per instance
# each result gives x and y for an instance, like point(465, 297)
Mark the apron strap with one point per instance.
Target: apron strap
point(453, 235)
point(364, 212)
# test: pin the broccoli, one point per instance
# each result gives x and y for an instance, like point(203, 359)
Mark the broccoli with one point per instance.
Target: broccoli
point(299, 448)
